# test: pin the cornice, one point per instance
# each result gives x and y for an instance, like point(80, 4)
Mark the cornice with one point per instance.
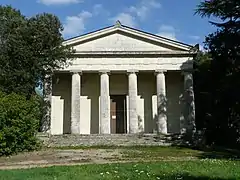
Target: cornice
point(134, 53)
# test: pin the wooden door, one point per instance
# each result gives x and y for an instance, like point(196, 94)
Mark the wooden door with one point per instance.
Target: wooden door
point(118, 114)
point(113, 116)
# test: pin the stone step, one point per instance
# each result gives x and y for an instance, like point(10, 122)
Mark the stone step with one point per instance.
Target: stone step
point(106, 140)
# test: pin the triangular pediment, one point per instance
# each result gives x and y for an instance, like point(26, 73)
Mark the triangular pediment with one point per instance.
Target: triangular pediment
point(122, 38)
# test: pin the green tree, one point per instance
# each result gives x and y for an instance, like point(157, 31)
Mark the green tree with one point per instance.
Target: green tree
point(19, 120)
point(224, 48)
point(202, 79)
point(30, 49)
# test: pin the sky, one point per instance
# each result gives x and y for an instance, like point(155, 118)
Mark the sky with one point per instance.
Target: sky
point(172, 19)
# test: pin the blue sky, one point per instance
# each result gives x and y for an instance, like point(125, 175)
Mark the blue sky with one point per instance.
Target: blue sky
point(169, 18)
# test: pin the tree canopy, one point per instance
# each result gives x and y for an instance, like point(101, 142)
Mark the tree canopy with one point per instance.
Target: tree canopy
point(30, 49)
point(223, 76)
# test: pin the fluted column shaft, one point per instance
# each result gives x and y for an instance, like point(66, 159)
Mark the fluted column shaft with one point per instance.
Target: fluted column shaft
point(105, 127)
point(75, 104)
point(132, 92)
point(161, 102)
point(188, 105)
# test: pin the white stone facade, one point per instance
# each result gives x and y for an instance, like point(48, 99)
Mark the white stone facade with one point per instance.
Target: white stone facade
point(123, 80)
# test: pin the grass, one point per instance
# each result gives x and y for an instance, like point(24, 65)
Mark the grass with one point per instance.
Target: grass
point(160, 153)
point(197, 169)
point(164, 163)
point(155, 153)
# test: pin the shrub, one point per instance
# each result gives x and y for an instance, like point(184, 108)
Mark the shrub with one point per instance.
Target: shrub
point(19, 122)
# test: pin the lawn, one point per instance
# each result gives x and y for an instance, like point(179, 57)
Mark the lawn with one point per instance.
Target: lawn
point(195, 169)
point(140, 163)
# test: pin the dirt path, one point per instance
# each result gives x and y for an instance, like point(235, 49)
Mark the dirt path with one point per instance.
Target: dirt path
point(54, 157)
point(59, 157)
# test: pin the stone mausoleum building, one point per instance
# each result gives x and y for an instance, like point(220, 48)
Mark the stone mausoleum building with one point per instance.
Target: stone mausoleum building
point(124, 81)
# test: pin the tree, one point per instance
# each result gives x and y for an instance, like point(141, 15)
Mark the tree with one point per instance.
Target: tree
point(224, 48)
point(202, 79)
point(30, 49)
point(19, 121)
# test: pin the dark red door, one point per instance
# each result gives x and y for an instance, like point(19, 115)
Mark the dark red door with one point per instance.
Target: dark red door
point(113, 116)
point(118, 114)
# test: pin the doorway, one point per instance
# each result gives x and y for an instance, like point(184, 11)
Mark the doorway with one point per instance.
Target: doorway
point(118, 114)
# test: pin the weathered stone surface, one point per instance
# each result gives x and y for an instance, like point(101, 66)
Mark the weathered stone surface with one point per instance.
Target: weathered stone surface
point(188, 125)
point(161, 103)
point(104, 104)
point(132, 92)
point(47, 96)
point(75, 113)
point(106, 140)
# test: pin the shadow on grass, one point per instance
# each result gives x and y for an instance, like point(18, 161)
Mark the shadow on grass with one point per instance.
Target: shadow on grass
point(213, 152)
point(179, 148)
point(219, 153)
point(190, 177)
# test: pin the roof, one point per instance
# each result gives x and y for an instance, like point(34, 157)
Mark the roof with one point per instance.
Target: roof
point(118, 27)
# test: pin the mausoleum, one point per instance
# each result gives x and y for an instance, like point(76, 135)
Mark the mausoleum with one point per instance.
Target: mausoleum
point(124, 81)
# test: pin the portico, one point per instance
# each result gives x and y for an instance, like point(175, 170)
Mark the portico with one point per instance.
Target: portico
point(123, 80)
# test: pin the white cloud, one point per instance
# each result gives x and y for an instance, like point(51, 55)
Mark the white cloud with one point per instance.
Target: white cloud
point(126, 19)
point(132, 14)
point(167, 31)
point(168, 35)
point(194, 37)
point(154, 4)
point(165, 27)
point(201, 48)
point(58, 2)
point(98, 9)
point(144, 8)
point(140, 12)
point(75, 25)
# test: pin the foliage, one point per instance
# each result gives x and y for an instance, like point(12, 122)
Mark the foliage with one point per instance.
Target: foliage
point(30, 49)
point(223, 9)
point(202, 79)
point(19, 122)
point(222, 77)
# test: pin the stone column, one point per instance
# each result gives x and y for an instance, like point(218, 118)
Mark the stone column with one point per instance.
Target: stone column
point(47, 97)
point(187, 123)
point(132, 93)
point(75, 104)
point(105, 127)
point(161, 102)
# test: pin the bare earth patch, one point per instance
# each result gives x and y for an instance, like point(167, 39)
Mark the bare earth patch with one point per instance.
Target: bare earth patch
point(59, 157)
point(103, 155)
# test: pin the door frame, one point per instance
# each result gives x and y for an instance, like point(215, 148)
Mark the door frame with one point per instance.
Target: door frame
point(124, 115)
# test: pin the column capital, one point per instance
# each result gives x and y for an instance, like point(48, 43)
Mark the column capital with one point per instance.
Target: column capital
point(132, 71)
point(104, 71)
point(160, 71)
point(187, 71)
point(76, 72)
point(48, 75)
